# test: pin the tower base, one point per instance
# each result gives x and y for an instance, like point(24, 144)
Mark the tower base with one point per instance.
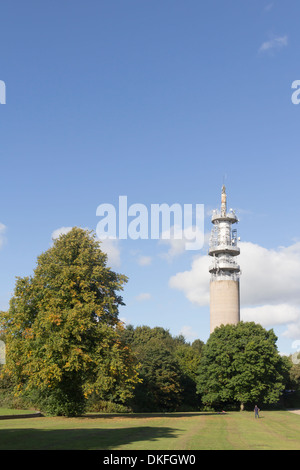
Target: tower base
point(224, 303)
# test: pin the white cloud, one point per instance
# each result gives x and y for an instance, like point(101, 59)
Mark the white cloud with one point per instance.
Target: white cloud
point(292, 331)
point(270, 293)
point(60, 231)
point(269, 276)
point(194, 283)
point(144, 260)
point(112, 249)
point(143, 296)
point(270, 315)
point(188, 333)
point(274, 44)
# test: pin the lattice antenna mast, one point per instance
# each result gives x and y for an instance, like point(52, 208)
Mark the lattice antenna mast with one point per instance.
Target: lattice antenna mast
point(223, 243)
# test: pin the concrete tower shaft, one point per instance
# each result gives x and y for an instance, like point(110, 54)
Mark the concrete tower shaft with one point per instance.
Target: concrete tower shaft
point(224, 303)
point(225, 272)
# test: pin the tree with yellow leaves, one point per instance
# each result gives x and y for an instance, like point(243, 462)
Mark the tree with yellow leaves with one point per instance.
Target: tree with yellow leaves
point(62, 333)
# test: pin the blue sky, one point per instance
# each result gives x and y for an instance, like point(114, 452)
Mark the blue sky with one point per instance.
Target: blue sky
point(161, 101)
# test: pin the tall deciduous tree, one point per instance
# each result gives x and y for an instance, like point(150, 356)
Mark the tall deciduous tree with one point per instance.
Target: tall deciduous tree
point(62, 332)
point(241, 363)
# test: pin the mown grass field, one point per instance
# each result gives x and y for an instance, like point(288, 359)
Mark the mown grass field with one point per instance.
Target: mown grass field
point(9, 412)
point(170, 431)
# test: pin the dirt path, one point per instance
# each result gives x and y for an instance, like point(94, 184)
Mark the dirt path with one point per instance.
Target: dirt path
point(297, 412)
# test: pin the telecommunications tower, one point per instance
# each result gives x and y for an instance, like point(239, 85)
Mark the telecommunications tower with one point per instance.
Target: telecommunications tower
point(225, 272)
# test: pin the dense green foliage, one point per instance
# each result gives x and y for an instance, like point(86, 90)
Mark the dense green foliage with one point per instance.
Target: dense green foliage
point(67, 352)
point(62, 333)
point(168, 370)
point(240, 363)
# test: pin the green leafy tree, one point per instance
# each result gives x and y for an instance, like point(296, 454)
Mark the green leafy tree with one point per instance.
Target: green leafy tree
point(160, 389)
point(168, 369)
point(188, 358)
point(63, 337)
point(241, 363)
point(291, 395)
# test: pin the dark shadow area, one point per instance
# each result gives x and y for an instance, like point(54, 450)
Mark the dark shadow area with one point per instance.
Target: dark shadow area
point(148, 415)
point(80, 439)
point(22, 416)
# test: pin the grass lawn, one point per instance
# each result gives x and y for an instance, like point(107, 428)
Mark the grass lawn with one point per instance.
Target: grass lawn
point(9, 411)
point(170, 431)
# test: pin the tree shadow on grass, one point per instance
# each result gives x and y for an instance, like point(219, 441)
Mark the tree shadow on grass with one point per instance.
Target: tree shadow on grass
point(81, 439)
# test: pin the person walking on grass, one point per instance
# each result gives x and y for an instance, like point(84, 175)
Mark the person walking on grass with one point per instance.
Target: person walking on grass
point(256, 411)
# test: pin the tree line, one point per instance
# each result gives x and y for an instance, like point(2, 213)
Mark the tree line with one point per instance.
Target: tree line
point(68, 353)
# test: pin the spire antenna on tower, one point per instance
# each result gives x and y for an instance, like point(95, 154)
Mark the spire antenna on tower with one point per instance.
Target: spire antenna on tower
point(223, 202)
